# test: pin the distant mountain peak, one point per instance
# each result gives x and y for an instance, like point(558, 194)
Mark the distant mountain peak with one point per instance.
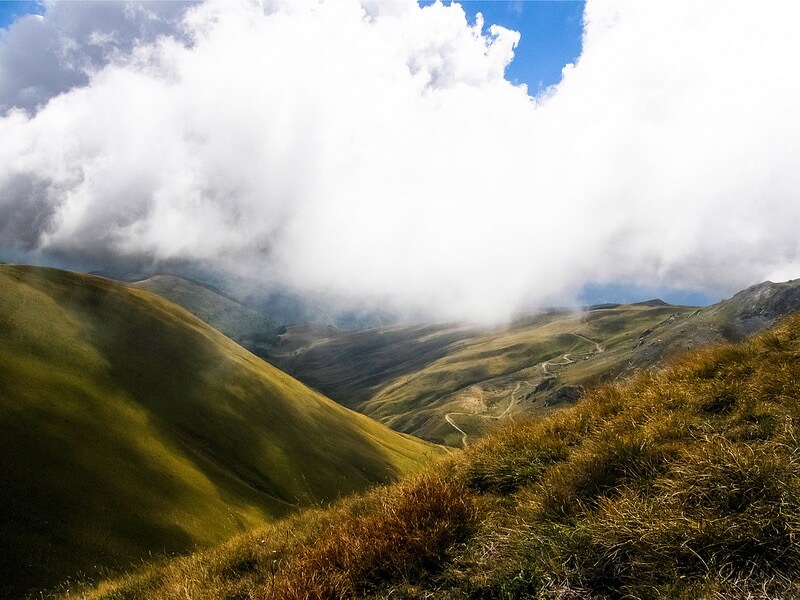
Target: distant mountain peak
point(652, 303)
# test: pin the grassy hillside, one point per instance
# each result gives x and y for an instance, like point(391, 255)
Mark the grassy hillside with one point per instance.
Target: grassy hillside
point(683, 483)
point(454, 384)
point(524, 370)
point(128, 427)
point(241, 323)
point(451, 383)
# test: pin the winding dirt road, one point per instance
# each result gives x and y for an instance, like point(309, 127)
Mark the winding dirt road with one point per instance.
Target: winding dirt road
point(598, 346)
point(515, 394)
point(565, 360)
point(511, 401)
point(461, 431)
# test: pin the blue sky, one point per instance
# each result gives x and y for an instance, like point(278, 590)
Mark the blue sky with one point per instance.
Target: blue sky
point(623, 293)
point(551, 35)
point(10, 10)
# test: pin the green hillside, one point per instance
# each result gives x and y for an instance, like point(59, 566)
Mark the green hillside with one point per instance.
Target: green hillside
point(680, 484)
point(129, 428)
point(453, 384)
point(524, 370)
point(239, 322)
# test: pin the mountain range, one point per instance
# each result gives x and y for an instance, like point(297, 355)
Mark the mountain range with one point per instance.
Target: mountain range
point(681, 482)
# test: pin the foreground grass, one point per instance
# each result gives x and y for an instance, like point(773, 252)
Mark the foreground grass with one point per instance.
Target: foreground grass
point(679, 484)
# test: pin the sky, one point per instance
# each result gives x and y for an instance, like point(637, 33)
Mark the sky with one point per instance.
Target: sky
point(550, 32)
point(11, 10)
point(410, 157)
point(550, 36)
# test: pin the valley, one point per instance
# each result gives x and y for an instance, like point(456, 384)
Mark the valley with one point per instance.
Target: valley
point(451, 382)
point(458, 382)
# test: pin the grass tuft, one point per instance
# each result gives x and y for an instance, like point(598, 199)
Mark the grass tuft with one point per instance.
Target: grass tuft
point(409, 534)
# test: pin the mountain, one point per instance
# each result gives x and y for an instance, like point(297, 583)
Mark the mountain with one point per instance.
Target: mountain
point(130, 428)
point(453, 384)
point(680, 483)
point(750, 311)
point(241, 323)
point(528, 369)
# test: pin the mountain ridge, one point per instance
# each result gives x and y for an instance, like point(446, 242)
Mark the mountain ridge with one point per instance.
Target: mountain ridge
point(236, 320)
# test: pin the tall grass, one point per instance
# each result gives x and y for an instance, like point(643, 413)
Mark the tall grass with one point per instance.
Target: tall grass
point(683, 483)
point(407, 536)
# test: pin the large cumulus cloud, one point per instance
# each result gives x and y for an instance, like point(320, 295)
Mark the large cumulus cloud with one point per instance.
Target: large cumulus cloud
point(375, 150)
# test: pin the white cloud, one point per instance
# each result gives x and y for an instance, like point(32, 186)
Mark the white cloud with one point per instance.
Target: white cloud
point(42, 56)
point(377, 151)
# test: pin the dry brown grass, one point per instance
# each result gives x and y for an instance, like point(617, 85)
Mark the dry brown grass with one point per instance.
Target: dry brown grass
point(409, 535)
point(393, 534)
